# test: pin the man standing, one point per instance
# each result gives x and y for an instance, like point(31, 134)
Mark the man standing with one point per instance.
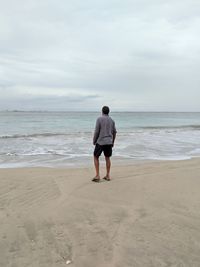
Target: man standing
point(104, 138)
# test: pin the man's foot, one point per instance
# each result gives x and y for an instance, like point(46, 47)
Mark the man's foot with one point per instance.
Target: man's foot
point(106, 178)
point(96, 179)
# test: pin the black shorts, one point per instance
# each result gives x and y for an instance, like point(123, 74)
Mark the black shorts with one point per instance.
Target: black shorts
point(106, 149)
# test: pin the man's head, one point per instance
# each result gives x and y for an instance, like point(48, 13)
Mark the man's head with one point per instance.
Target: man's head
point(105, 110)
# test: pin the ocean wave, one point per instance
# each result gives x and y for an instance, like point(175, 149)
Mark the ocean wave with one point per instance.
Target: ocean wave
point(34, 135)
point(120, 131)
point(195, 127)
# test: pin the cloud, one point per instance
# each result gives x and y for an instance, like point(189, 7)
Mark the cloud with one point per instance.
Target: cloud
point(48, 101)
point(133, 54)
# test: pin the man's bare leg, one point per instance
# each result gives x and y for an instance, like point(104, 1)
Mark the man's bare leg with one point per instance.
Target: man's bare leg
point(96, 164)
point(108, 165)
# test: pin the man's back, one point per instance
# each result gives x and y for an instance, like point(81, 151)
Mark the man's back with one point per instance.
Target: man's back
point(104, 130)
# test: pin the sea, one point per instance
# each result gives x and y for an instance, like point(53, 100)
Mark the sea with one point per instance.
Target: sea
point(64, 139)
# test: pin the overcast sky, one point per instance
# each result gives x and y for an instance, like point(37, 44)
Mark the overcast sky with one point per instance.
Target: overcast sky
point(138, 55)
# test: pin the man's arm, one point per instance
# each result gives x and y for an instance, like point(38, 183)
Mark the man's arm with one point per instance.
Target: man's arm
point(114, 136)
point(114, 133)
point(96, 132)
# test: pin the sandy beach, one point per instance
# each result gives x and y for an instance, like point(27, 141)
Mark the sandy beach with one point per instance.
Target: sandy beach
point(148, 215)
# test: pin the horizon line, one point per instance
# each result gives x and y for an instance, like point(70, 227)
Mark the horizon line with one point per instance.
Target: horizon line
point(87, 111)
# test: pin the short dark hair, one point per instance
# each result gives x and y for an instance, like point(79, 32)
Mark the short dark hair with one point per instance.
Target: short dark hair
point(105, 110)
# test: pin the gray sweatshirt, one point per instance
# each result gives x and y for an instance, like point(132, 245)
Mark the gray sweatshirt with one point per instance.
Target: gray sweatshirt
point(104, 131)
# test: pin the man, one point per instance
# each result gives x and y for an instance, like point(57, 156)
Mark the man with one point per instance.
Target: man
point(104, 138)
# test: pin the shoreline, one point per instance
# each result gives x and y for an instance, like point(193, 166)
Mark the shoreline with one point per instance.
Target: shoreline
point(116, 165)
point(115, 162)
point(148, 215)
